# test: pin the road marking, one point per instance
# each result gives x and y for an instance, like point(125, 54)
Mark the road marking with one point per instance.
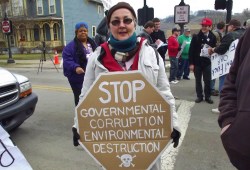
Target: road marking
point(53, 88)
point(169, 156)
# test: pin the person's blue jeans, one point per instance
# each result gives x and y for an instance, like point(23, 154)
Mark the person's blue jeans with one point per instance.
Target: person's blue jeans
point(213, 85)
point(173, 68)
point(183, 68)
point(221, 81)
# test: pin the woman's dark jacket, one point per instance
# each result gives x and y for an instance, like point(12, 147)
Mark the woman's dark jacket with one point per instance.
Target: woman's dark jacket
point(74, 56)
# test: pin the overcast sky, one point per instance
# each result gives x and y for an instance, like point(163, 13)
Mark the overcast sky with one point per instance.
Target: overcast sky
point(164, 8)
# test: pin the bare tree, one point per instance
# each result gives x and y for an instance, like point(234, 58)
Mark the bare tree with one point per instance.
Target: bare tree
point(4, 4)
point(246, 14)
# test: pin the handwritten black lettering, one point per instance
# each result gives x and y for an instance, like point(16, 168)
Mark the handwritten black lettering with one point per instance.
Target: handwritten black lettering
point(6, 155)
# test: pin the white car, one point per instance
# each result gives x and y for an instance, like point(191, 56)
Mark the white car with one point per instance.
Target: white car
point(17, 101)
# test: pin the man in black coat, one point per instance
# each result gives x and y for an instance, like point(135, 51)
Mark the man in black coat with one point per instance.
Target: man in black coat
point(159, 35)
point(199, 60)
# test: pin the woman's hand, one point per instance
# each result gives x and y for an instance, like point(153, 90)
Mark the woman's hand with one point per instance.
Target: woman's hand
point(76, 136)
point(224, 129)
point(79, 70)
point(175, 135)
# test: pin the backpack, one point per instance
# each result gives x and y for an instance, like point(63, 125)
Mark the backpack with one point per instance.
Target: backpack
point(218, 36)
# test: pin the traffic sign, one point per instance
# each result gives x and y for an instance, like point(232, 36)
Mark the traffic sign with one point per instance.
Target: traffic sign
point(6, 26)
point(124, 122)
point(181, 14)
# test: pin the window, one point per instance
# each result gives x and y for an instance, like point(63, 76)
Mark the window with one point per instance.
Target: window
point(56, 32)
point(1, 14)
point(93, 31)
point(39, 4)
point(36, 33)
point(22, 30)
point(12, 40)
point(52, 7)
point(99, 9)
point(46, 32)
point(17, 7)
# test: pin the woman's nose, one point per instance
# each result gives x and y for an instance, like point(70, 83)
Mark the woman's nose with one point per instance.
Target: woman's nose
point(121, 24)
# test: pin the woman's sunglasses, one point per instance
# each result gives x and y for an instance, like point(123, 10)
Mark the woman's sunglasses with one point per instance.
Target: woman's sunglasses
point(125, 21)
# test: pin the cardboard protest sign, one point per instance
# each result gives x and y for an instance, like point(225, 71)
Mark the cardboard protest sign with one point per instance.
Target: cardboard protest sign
point(124, 122)
point(222, 63)
point(10, 156)
point(182, 48)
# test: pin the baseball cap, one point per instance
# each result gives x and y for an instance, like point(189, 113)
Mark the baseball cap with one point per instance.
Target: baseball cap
point(186, 29)
point(206, 22)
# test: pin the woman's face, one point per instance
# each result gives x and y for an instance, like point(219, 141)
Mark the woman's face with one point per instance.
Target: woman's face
point(82, 34)
point(122, 24)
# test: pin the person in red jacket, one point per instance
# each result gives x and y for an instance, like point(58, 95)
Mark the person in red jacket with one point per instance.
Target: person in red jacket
point(173, 48)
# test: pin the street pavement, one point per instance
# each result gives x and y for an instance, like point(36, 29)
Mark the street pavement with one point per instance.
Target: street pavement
point(200, 147)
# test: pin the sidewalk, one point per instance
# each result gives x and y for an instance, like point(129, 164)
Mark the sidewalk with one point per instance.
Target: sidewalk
point(32, 64)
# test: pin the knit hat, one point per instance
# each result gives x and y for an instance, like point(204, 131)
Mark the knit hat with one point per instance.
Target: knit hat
point(118, 6)
point(81, 24)
point(235, 23)
point(206, 22)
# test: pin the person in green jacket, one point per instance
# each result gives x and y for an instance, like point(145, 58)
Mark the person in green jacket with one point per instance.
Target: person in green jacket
point(184, 42)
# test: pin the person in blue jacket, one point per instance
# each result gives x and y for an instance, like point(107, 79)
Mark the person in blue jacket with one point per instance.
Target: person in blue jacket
point(75, 57)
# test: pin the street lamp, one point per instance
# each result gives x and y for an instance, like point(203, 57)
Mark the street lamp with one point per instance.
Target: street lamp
point(7, 29)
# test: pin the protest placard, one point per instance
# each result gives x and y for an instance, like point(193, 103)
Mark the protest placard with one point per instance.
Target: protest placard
point(222, 63)
point(182, 48)
point(11, 158)
point(124, 122)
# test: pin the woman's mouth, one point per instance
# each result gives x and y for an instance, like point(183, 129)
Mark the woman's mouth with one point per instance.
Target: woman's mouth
point(123, 33)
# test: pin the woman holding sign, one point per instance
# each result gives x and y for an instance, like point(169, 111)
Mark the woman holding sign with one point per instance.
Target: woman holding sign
point(124, 52)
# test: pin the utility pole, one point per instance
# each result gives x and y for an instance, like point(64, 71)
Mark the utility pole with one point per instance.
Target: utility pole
point(7, 30)
point(10, 59)
point(225, 4)
point(229, 12)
